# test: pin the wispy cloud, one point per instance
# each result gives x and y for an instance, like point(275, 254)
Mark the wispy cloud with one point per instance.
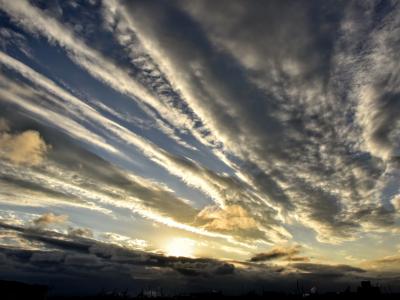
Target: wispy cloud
point(261, 109)
point(280, 253)
point(248, 127)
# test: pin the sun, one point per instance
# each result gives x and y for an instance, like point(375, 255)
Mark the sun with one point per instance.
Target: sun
point(180, 247)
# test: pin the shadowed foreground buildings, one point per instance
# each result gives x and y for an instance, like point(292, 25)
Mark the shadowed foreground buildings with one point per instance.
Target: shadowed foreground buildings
point(367, 289)
point(19, 290)
point(12, 290)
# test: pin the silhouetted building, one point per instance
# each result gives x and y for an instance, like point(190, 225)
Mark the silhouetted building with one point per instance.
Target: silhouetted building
point(368, 289)
point(12, 290)
point(207, 295)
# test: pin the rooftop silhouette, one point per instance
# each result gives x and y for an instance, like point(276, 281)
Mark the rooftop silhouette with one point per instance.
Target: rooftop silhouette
point(13, 290)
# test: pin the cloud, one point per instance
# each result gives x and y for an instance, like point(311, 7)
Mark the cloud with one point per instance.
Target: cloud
point(327, 271)
point(85, 232)
point(396, 202)
point(226, 219)
point(49, 219)
point(52, 257)
point(237, 222)
point(221, 188)
point(16, 92)
point(293, 100)
point(389, 260)
point(90, 261)
point(4, 127)
point(74, 179)
point(378, 91)
point(99, 66)
point(278, 253)
point(25, 148)
point(233, 128)
point(262, 98)
point(80, 256)
point(389, 263)
point(258, 186)
point(124, 241)
point(377, 113)
point(76, 172)
point(297, 129)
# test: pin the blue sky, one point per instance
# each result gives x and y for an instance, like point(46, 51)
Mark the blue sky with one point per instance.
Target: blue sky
point(204, 129)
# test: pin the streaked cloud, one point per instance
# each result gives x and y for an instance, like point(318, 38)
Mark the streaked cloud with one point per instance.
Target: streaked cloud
point(278, 90)
point(280, 253)
point(263, 134)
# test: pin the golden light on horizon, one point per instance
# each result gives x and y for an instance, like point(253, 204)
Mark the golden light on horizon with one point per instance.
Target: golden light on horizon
point(180, 247)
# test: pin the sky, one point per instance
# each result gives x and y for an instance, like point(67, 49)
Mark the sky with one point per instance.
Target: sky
point(198, 145)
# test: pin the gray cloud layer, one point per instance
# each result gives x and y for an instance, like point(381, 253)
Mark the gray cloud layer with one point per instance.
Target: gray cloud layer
point(57, 257)
point(280, 253)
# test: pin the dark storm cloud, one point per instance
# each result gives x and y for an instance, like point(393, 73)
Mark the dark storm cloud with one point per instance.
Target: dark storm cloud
point(277, 253)
point(326, 271)
point(81, 257)
point(90, 251)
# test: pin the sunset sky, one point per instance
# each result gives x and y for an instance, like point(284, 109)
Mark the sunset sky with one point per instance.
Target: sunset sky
point(199, 144)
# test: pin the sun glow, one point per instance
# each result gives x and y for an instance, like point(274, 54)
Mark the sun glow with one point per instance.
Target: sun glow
point(180, 247)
